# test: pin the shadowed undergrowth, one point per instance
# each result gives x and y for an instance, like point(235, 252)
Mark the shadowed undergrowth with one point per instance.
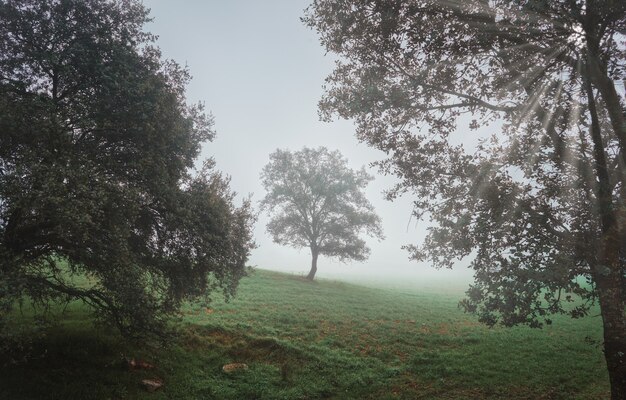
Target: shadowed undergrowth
point(304, 340)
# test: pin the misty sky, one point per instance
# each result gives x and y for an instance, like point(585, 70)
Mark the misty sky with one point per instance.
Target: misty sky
point(260, 72)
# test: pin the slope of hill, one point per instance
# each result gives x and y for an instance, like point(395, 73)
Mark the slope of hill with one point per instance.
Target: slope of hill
point(310, 340)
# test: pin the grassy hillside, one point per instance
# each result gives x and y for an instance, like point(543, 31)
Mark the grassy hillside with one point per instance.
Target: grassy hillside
point(304, 340)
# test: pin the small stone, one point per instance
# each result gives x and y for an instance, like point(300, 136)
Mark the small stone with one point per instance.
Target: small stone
point(151, 385)
point(228, 368)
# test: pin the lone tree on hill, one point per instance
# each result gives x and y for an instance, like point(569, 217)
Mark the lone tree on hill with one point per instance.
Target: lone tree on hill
point(541, 201)
point(96, 147)
point(317, 201)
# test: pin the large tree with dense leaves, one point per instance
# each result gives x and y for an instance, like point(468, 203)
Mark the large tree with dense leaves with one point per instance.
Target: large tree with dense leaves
point(97, 146)
point(316, 200)
point(506, 119)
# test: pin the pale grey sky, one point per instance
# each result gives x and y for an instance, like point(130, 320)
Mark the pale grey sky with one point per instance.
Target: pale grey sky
point(260, 72)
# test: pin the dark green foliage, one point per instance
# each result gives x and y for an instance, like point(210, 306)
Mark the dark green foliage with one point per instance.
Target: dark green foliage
point(96, 148)
point(505, 119)
point(317, 201)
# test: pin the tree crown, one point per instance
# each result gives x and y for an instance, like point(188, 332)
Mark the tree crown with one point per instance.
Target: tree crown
point(483, 109)
point(96, 157)
point(317, 201)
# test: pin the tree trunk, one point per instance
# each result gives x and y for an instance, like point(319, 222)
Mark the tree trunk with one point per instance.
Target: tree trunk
point(314, 254)
point(614, 324)
point(608, 274)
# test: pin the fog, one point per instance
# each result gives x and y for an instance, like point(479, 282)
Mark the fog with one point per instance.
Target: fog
point(260, 72)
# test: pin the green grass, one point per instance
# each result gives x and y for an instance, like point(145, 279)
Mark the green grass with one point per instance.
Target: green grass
point(324, 339)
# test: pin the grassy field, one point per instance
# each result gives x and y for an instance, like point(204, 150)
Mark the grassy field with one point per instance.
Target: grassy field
point(325, 339)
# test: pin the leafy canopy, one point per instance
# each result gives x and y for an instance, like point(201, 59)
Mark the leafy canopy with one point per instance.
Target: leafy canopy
point(482, 109)
point(317, 201)
point(96, 153)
